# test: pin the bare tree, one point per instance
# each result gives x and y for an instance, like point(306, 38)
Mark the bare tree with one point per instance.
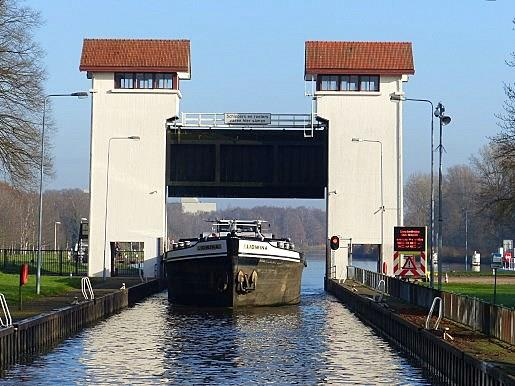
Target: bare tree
point(494, 190)
point(21, 93)
point(417, 195)
point(504, 142)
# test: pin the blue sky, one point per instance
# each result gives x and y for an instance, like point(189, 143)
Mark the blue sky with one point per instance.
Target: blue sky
point(249, 56)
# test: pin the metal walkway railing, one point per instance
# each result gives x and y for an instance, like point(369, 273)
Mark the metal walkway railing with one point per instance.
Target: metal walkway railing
point(254, 121)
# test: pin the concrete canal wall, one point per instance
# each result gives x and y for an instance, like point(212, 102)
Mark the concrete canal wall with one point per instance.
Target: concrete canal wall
point(443, 362)
point(491, 320)
point(38, 334)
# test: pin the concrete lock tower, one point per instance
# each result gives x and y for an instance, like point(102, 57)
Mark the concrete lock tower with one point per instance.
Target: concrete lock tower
point(135, 89)
point(353, 82)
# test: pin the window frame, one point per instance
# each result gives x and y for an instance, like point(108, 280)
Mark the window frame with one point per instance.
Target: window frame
point(162, 75)
point(349, 78)
point(150, 77)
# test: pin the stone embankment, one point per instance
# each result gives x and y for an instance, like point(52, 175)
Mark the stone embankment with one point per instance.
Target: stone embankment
point(45, 322)
point(464, 357)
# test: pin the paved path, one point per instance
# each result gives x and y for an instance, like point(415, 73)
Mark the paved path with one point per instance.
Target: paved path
point(49, 303)
point(476, 344)
point(482, 279)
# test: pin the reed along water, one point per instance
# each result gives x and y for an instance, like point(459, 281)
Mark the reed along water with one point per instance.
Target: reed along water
point(318, 341)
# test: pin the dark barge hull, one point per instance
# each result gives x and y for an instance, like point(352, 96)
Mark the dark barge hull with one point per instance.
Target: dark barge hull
point(213, 281)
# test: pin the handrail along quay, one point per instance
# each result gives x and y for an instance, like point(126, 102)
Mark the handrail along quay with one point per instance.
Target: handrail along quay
point(400, 318)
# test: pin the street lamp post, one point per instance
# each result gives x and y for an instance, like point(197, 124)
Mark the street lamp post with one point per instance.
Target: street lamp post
point(133, 138)
point(79, 94)
point(398, 98)
point(55, 234)
point(444, 120)
point(381, 208)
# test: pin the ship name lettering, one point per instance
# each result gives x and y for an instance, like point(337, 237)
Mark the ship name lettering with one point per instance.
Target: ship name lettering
point(211, 246)
point(252, 246)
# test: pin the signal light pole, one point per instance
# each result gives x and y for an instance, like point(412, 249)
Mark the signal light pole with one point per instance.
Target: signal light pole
point(444, 120)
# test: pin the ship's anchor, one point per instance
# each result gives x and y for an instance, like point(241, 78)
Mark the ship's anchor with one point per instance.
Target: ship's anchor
point(244, 283)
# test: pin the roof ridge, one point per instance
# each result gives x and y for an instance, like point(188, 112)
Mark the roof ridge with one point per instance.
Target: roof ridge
point(136, 40)
point(359, 41)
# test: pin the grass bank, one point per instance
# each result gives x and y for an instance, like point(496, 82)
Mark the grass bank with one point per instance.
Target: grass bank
point(483, 291)
point(50, 285)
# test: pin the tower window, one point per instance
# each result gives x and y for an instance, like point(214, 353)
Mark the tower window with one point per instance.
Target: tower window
point(145, 80)
point(124, 80)
point(348, 83)
point(163, 81)
point(329, 83)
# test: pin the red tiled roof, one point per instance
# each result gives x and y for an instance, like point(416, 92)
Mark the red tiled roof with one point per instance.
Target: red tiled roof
point(106, 55)
point(382, 58)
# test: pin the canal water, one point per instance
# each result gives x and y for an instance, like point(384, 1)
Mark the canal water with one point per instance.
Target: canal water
point(316, 342)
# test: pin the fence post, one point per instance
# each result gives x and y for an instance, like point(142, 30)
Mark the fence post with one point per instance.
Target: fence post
point(61, 262)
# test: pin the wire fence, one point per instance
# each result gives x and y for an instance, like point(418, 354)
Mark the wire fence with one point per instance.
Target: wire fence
point(53, 262)
point(67, 262)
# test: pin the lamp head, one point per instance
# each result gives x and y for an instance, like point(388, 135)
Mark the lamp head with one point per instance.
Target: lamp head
point(445, 119)
point(80, 94)
point(357, 139)
point(439, 110)
point(171, 121)
point(134, 137)
point(397, 97)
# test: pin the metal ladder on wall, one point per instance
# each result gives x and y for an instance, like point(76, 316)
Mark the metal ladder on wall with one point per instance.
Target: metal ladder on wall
point(6, 314)
point(87, 290)
point(381, 290)
point(430, 314)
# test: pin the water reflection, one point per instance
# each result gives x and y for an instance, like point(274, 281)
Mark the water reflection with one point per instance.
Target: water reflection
point(318, 341)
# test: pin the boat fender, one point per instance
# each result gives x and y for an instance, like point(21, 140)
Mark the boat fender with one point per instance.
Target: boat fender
point(240, 282)
point(253, 279)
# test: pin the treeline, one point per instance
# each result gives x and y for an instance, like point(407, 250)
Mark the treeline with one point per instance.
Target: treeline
point(475, 205)
point(305, 226)
point(474, 196)
point(19, 217)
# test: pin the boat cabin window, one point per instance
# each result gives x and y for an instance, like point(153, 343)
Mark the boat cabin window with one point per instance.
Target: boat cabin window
point(221, 228)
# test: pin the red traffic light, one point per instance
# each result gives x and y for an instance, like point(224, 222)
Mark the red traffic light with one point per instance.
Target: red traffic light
point(335, 243)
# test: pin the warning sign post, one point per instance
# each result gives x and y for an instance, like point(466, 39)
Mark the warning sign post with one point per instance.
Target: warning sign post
point(410, 248)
